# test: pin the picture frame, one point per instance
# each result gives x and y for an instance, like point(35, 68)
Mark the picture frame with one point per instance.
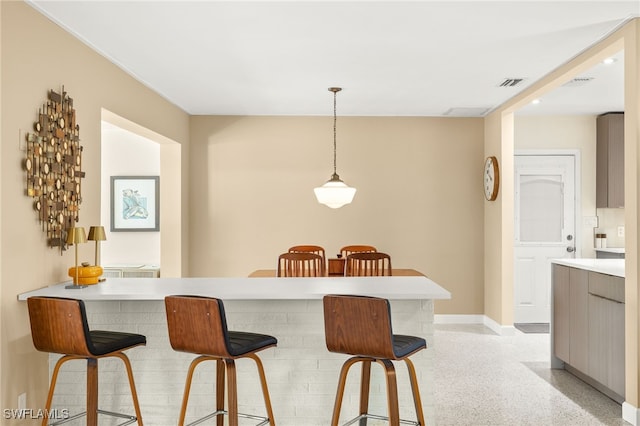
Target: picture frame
point(135, 203)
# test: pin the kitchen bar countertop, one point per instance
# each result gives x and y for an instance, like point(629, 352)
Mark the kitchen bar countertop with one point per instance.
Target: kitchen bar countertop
point(302, 373)
point(397, 288)
point(613, 267)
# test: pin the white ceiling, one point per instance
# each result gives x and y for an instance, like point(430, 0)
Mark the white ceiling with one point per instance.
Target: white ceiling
point(413, 58)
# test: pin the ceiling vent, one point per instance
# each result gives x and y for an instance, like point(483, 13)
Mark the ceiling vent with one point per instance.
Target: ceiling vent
point(511, 82)
point(466, 112)
point(577, 82)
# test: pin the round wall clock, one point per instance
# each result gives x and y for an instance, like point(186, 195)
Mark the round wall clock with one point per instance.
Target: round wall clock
point(491, 178)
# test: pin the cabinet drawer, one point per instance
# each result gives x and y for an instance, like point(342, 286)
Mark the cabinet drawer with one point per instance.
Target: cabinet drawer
point(607, 286)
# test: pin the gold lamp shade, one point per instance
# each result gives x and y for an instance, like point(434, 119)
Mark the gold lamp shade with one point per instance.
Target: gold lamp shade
point(97, 234)
point(76, 236)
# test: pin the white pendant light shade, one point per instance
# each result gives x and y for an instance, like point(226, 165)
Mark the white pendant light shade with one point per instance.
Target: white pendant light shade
point(334, 193)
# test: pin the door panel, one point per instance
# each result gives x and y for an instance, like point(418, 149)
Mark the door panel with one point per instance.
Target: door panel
point(544, 229)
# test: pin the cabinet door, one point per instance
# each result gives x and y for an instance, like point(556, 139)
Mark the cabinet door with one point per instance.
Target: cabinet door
point(606, 342)
point(616, 161)
point(610, 160)
point(616, 366)
point(561, 299)
point(579, 319)
point(598, 330)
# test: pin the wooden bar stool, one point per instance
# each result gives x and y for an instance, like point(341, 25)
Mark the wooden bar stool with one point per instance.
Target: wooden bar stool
point(361, 326)
point(59, 325)
point(198, 325)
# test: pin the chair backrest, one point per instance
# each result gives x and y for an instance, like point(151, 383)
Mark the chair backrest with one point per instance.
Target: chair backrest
point(308, 249)
point(300, 265)
point(59, 325)
point(368, 264)
point(347, 250)
point(358, 325)
point(197, 325)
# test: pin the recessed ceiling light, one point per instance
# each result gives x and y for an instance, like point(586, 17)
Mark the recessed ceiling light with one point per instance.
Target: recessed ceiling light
point(609, 61)
point(535, 101)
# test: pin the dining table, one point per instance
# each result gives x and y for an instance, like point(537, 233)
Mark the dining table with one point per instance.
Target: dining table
point(396, 272)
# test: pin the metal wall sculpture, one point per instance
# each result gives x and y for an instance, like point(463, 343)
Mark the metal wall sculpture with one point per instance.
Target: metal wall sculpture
point(53, 165)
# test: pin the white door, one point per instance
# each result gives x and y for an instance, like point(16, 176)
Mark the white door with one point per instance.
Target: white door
point(544, 229)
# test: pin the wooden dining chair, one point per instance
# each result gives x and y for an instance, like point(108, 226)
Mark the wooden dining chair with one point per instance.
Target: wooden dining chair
point(347, 250)
point(300, 265)
point(308, 249)
point(361, 326)
point(368, 264)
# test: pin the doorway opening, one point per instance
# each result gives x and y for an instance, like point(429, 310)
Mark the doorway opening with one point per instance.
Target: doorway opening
point(546, 189)
point(129, 149)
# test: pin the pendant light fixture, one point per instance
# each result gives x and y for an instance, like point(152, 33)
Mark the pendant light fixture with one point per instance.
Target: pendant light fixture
point(334, 193)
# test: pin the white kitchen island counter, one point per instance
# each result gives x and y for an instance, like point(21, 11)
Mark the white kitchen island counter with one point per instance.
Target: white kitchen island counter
point(301, 373)
point(397, 288)
point(613, 267)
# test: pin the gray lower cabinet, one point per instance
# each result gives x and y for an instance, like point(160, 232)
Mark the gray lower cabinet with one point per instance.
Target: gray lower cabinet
point(561, 308)
point(588, 325)
point(570, 320)
point(606, 331)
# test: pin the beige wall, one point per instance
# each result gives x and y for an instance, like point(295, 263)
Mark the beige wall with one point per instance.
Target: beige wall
point(38, 56)
point(419, 198)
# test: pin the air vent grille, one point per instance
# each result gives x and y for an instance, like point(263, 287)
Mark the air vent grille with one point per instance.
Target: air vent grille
point(511, 82)
point(577, 82)
point(467, 112)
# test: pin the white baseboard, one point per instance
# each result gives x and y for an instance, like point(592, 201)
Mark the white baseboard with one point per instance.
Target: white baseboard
point(502, 330)
point(630, 414)
point(458, 319)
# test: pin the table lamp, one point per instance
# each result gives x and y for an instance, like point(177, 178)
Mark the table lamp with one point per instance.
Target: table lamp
point(75, 236)
point(97, 234)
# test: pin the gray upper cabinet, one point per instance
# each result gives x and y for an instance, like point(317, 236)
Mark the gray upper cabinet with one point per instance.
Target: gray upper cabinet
point(610, 160)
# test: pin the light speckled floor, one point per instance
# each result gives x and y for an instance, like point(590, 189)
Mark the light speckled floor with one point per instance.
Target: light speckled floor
point(485, 379)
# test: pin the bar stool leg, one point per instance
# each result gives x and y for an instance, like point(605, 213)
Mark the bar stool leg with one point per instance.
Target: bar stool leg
point(365, 383)
point(52, 386)
point(187, 388)
point(220, 378)
point(92, 392)
point(265, 389)
point(132, 385)
point(341, 384)
point(392, 392)
point(415, 390)
point(232, 392)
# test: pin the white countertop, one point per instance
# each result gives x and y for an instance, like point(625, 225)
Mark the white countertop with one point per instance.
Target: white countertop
point(393, 288)
point(613, 267)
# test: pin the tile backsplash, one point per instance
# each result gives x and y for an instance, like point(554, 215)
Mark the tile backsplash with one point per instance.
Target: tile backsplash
point(609, 220)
